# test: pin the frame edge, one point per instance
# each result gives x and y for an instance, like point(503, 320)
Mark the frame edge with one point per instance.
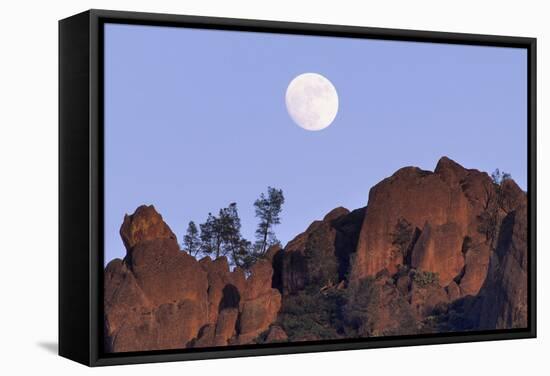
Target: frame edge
point(74, 161)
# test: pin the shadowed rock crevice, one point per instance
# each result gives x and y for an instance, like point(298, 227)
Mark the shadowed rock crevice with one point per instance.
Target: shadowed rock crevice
point(230, 298)
point(347, 234)
point(408, 252)
point(294, 271)
point(466, 245)
point(277, 258)
point(460, 275)
point(321, 256)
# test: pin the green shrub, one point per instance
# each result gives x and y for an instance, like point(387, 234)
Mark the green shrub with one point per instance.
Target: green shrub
point(310, 315)
point(322, 264)
point(402, 236)
point(424, 279)
point(360, 310)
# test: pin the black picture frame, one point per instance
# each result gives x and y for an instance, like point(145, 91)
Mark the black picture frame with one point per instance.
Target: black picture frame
point(81, 185)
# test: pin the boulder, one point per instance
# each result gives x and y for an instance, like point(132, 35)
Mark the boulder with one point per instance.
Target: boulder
point(417, 197)
point(145, 224)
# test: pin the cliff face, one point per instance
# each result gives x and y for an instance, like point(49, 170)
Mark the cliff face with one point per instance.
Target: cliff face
point(431, 252)
point(321, 255)
point(502, 300)
point(444, 207)
point(159, 297)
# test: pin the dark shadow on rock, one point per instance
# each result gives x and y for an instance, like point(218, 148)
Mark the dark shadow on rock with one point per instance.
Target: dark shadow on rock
point(230, 298)
point(51, 347)
point(347, 228)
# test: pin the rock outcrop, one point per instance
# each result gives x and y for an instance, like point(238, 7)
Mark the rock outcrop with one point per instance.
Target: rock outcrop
point(159, 297)
point(156, 297)
point(439, 250)
point(444, 209)
point(431, 252)
point(321, 255)
point(440, 247)
point(502, 301)
point(142, 226)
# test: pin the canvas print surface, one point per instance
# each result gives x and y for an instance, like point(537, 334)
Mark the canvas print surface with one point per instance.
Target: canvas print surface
point(268, 188)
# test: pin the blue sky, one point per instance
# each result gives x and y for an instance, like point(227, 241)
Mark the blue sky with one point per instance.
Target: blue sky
point(196, 119)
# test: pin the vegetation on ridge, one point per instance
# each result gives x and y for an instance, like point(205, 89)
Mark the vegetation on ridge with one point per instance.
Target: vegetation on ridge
point(221, 235)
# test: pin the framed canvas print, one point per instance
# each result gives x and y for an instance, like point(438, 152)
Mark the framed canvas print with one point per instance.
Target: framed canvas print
point(240, 187)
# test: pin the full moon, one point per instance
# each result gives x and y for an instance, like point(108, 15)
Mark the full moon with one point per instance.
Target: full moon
point(311, 101)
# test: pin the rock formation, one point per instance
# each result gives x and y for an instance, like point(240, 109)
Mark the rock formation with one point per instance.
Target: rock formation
point(159, 297)
point(321, 255)
point(502, 300)
point(431, 252)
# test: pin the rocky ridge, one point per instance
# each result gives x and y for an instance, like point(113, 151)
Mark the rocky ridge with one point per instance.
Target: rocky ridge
point(431, 252)
point(159, 297)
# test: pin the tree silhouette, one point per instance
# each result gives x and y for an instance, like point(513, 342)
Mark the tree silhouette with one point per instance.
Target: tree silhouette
point(221, 236)
point(211, 236)
point(499, 177)
point(191, 240)
point(232, 242)
point(268, 207)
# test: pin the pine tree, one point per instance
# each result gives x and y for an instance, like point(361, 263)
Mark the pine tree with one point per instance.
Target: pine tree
point(221, 236)
point(191, 240)
point(230, 227)
point(211, 237)
point(499, 177)
point(268, 209)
